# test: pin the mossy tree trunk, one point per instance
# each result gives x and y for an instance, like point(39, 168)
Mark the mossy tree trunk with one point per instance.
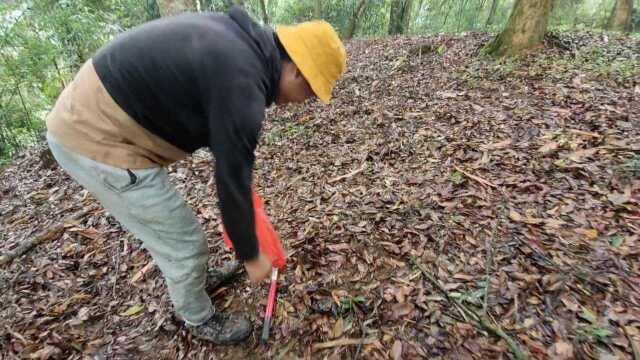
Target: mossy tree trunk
point(492, 13)
point(265, 15)
point(228, 4)
point(152, 10)
point(525, 29)
point(620, 18)
point(353, 22)
point(399, 16)
point(317, 9)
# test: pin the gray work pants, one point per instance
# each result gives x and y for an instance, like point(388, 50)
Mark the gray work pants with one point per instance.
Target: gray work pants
point(146, 204)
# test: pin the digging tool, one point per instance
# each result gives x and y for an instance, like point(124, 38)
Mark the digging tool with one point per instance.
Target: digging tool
point(271, 301)
point(271, 247)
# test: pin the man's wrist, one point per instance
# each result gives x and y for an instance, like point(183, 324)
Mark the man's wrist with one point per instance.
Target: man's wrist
point(252, 260)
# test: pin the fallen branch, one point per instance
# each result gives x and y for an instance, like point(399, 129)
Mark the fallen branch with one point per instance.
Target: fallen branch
point(341, 342)
point(619, 148)
point(477, 178)
point(363, 329)
point(115, 280)
point(351, 174)
point(585, 133)
point(480, 321)
point(488, 264)
point(52, 233)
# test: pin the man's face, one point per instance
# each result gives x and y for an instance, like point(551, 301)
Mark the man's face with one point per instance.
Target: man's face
point(294, 88)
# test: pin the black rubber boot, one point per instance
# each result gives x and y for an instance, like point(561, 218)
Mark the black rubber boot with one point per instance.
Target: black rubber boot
point(223, 329)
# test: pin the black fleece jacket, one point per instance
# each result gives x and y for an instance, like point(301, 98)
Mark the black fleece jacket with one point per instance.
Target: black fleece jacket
point(198, 80)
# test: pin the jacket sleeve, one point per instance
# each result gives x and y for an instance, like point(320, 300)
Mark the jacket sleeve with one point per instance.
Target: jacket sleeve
point(234, 130)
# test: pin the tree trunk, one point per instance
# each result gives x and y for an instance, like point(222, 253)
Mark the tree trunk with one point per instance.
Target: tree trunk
point(525, 29)
point(174, 7)
point(265, 15)
point(461, 14)
point(152, 10)
point(620, 18)
point(406, 15)
point(353, 22)
point(317, 9)
point(418, 8)
point(492, 13)
point(399, 16)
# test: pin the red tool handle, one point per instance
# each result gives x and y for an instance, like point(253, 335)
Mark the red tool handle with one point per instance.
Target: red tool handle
point(271, 301)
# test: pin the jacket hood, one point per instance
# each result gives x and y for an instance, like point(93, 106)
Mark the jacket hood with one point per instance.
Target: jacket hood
point(264, 41)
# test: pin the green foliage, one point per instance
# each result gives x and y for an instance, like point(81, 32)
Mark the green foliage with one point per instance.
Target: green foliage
point(594, 329)
point(44, 42)
point(456, 177)
point(289, 131)
point(616, 240)
point(628, 171)
point(348, 303)
point(599, 61)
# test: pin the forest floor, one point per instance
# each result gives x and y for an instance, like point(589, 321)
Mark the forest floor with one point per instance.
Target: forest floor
point(514, 184)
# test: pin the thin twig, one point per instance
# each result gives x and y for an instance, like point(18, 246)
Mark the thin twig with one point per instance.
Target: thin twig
point(351, 174)
point(341, 342)
point(363, 329)
point(115, 281)
point(477, 178)
point(480, 321)
point(488, 265)
point(363, 338)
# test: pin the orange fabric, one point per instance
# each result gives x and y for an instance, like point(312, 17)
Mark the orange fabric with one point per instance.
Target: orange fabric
point(268, 239)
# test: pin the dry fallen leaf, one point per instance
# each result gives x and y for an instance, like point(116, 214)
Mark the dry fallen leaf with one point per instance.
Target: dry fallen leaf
point(515, 216)
point(452, 286)
point(337, 328)
point(580, 155)
point(561, 350)
point(554, 223)
point(135, 309)
point(400, 310)
point(495, 146)
point(549, 147)
point(570, 303)
point(83, 314)
point(396, 350)
point(620, 198)
point(462, 276)
point(590, 234)
point(46, 353)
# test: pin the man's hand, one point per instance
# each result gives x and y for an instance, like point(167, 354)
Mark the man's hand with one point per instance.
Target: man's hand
point(258, 269)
